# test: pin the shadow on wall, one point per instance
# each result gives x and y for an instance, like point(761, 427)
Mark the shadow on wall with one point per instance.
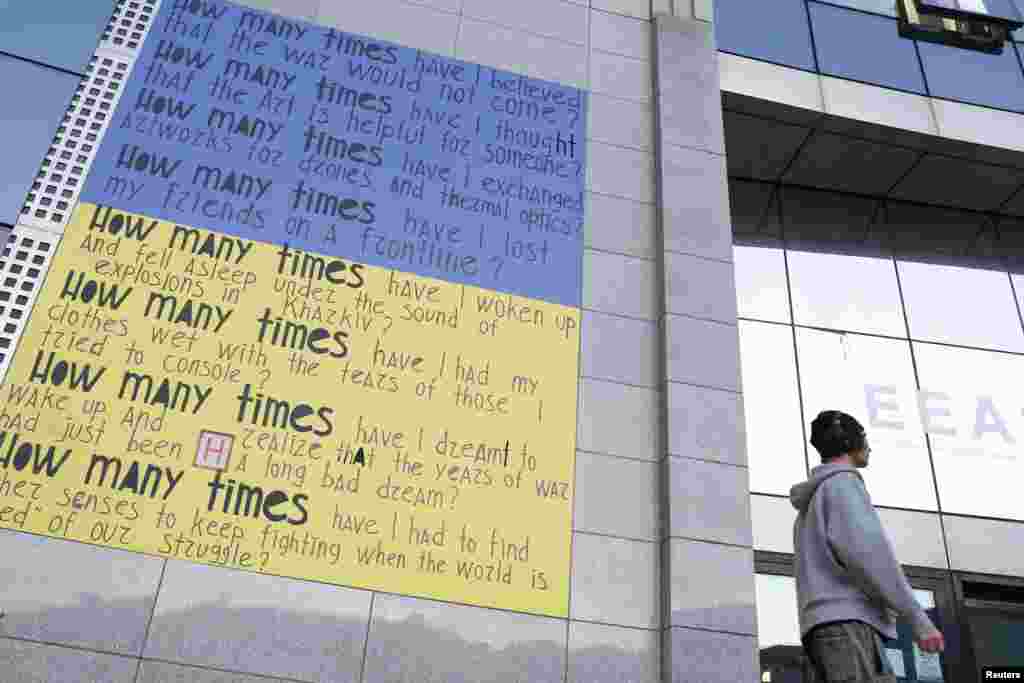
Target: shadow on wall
point(833, 222)
point(407, 651)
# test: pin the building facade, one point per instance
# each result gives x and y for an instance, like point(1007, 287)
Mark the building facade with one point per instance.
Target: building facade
point(785, 206)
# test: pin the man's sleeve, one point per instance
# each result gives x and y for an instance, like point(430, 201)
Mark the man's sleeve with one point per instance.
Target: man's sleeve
point(856, 535)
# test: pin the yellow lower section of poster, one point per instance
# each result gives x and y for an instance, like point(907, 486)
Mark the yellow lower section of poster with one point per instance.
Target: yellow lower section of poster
point(192, 395)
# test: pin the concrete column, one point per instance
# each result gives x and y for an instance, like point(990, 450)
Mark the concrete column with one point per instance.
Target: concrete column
point(706, 538)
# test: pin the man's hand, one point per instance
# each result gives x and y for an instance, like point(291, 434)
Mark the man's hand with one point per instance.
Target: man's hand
point(932, 641)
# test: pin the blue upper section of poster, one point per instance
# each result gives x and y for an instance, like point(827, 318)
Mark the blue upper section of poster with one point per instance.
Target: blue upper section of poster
point(278, 130)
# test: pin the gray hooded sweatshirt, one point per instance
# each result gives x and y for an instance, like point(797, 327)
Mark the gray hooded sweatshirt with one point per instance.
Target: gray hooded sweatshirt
point(846, 568)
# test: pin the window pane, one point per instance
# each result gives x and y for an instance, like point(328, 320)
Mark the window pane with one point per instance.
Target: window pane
point(36, 101)
point(996, 637)
point(771, 407)
point(851, 293)
point(840, 36)
point(775, 31)
point(873, 380)
point(1011, 243)
point(972, 405)
point(1018, 286)
point(778, 628)
point(64, 38)
point(761, 283)
point(975, 77)
point(925, 598)
point(777, 621)
point(995, 8)
point(757, 251)
point(878, 6)
point(965, 306)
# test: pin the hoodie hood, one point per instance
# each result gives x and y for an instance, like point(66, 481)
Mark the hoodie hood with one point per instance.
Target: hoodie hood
point(800, 495)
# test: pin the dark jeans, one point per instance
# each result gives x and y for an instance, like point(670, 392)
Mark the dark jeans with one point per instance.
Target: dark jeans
point(847, 652)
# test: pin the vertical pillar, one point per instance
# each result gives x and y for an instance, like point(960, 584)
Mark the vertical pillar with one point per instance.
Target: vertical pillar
point(709, 629)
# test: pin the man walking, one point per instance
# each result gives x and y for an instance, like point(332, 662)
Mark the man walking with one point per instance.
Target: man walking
point(848, 580)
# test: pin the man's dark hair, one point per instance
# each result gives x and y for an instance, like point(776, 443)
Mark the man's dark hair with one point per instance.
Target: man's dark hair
point(834, 433)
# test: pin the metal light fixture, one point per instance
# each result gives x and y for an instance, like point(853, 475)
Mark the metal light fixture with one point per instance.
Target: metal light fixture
point(983, 25)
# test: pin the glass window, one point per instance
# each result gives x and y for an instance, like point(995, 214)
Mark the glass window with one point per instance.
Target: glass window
point(761, 283)
point(1018, 287)
point(1018, 284)
point(965, 306)
point(778, 628)
point(852, 293)
point(840, 36)
point(872, 379)
point(975, 77)
point(775, 31)
point(35, 104)
point(971, 405)
point(771, 407)
point(996, 637)
point(64, 38)
point(1011, 243)
point(878, 6)
point(995, 8)
point(757, 251)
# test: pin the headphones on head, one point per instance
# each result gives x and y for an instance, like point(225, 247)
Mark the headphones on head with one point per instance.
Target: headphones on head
point(840, 434)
